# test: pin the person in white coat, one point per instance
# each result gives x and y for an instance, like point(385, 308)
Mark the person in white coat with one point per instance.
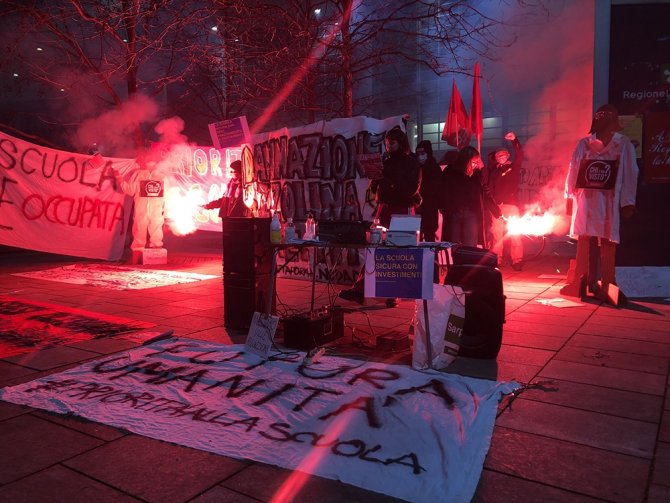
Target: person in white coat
point(601, 186)
point(146, 184)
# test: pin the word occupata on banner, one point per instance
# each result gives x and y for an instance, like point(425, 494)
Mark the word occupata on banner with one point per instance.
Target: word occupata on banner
point(40, 184)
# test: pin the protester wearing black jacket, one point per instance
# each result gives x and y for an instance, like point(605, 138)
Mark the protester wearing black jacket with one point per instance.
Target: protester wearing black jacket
point(431, 176)
point(232, 203)
point(397, 192)
point(465, 200)
point(501, 177)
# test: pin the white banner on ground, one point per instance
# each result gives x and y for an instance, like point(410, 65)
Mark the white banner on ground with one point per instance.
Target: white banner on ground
point(113, 277)
point(420, 436)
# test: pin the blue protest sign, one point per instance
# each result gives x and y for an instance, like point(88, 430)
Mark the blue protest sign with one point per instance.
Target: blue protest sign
point(405, 273)
point(230, 132)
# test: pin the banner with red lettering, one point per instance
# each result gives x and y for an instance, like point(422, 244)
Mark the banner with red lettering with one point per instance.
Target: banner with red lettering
point(61, 202)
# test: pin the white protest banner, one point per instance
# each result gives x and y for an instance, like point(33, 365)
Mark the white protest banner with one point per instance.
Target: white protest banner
point(198, 175)
point(317, 168)
point(58, 202)
point(420, 436)
point(112, 277)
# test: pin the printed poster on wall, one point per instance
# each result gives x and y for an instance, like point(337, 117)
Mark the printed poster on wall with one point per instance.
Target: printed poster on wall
point(657, 148)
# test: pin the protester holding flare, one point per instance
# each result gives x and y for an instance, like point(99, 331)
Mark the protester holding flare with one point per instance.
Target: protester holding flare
point(232, 203)
point(602, 185)
point(465, 199)
point(501, 176)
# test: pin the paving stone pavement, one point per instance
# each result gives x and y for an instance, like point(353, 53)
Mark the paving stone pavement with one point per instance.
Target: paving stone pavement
point(593, 426)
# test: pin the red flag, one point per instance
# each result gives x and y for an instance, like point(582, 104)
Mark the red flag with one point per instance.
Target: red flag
point(476, 121)
point(456, 131)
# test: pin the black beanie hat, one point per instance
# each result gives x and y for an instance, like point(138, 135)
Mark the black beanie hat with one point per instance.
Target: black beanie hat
point(236, 166)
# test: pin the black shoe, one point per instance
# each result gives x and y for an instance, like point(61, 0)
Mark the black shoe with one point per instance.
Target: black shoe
point(623, 300)
point(392, 302)
point(517, 266)
point(575, 289)
point(352, 295)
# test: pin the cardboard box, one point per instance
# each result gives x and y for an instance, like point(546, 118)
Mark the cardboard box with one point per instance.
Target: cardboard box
point(154, 256)
point(310, 331)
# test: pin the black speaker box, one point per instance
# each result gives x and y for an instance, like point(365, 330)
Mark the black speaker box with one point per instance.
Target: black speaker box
point(484, 309)
point(246, 246)
point(242, 295)
point(310, 331)
point(471, 255)
point(343, 231)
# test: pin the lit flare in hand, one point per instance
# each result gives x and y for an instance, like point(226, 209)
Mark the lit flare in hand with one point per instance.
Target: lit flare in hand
point(532, 224)
point(182, 210)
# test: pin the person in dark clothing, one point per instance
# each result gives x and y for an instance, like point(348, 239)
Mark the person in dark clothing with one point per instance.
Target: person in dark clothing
point(501, 176)
point(232, 203)
point(431, 174)
point(465, 198)
point(397, 192)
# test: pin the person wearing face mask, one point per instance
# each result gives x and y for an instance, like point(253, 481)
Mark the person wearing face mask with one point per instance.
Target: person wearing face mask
point(502, 178)
point(232, 203)
point(465, 198)
point(146, 184)
point(601, 185)
point(431, 174)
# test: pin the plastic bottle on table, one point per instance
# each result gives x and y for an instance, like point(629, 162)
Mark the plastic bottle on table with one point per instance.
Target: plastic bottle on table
point(375, 232)
point(290, 234)
point(275, 229)
point(310, 228)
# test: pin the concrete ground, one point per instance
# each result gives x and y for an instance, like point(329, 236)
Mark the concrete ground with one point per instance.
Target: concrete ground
point(595, 426)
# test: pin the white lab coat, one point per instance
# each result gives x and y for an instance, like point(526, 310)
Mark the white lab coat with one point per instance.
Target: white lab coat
point(596, 212)
point(148, 217)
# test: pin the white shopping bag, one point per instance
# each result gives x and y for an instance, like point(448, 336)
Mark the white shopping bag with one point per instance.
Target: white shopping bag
point(446, 316)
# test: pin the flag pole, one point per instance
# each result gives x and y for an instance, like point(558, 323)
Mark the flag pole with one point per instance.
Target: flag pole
point(476, 119)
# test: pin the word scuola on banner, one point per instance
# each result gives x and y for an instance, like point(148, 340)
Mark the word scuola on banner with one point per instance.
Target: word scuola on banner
point(420, 436)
